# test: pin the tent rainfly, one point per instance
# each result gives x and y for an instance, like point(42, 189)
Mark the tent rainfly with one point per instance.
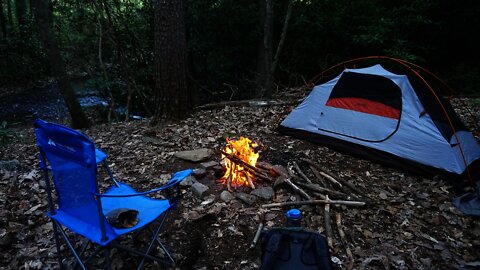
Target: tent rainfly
point(377, 114)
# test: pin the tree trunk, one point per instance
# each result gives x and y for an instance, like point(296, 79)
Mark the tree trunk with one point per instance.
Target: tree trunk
point(9, 13)
point(21, 9)
point(2, 21)
point(172, 97)
point(43, 16)
point(261, 72)
point(267, 46)
point(271, 72)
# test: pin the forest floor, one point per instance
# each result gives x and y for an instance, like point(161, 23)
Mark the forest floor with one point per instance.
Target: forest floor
point(408, 223)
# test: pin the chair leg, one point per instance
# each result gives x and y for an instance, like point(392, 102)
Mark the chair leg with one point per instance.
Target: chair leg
point(64, 235)
point(108, 264)
point(140, 266)
point(162, 246)
point(57, 243)
point(82, 250)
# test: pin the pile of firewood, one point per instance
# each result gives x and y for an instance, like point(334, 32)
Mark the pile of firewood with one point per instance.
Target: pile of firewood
point(325, 189)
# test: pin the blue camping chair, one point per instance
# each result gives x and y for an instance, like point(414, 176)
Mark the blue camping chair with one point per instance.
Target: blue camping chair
point(72, 159)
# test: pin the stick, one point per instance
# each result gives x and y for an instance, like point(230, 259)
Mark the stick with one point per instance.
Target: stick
point(259, 231)
point(238, 160)
point(297, 189)
point(346, 183)
point(347, 203)
point(317, 174)
point(317, 188)
point(249, 180)
point(229, 181)
point(328, 225)
point(323, 173)
point(338, 221)
point(252, 169)
point(295, 164)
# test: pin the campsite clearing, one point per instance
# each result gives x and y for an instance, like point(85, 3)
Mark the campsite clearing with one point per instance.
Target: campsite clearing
point(411, 224)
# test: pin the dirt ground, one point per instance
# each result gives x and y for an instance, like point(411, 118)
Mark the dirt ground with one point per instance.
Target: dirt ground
point(409, 222)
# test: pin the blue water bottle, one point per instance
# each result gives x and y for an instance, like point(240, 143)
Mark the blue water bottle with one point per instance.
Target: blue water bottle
point(294, 217)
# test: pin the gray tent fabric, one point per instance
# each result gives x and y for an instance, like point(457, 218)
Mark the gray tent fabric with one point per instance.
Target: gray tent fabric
point(377, 109)
point(469, 203)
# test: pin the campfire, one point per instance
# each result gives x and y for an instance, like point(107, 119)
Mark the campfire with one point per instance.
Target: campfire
point(240, 159)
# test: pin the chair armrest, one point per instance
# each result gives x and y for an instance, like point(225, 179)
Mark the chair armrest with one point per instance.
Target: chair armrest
point(176, 179)
point(99, 155)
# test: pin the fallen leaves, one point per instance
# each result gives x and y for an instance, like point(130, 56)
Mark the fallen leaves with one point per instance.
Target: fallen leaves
point(410, 223)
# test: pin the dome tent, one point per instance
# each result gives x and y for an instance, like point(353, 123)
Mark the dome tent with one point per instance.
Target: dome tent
point(386, 117)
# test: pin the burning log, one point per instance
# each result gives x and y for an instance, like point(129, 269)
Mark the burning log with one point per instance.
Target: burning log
point(250, 182)
point(251, 169)
point(347, 203)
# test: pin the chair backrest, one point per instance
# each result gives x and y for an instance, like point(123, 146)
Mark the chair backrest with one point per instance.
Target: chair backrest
point(71, 156)
point(294, 248)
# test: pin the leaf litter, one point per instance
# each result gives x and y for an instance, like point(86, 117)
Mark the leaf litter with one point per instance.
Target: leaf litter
point(409, 222)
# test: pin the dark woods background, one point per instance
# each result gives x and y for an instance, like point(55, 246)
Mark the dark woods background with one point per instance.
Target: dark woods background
point(109, 44)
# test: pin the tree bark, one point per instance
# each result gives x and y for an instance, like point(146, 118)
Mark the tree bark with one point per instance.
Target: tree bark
point(261, 72)
point(43, 16)
point(21, 12)
point(9, 13)
point(267, 45)
point(273, 66)
point(172, 97)
point(2, 21)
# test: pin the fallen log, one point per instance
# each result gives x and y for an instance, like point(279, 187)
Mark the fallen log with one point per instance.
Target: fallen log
point(339, 202)
point(237, 103)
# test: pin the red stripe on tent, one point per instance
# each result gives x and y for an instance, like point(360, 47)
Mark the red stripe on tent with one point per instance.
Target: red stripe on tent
point(365, 106)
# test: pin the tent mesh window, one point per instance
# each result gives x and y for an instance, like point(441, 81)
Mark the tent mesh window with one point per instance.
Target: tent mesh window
point(368, 94)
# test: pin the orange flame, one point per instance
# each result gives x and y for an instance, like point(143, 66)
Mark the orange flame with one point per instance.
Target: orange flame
point(243, 149)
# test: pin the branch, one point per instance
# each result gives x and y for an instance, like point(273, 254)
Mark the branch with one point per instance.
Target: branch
point(252, 169)
point(328, 225)
point(295, 164)
point(347, 203)
point(338, 221)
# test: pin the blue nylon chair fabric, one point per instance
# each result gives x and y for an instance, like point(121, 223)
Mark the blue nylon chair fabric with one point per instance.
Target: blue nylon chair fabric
point(73, 159)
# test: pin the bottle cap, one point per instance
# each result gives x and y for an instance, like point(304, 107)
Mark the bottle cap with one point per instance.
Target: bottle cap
point(294, 214)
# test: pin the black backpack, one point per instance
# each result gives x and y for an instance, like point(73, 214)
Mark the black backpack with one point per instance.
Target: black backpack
point(294, 248)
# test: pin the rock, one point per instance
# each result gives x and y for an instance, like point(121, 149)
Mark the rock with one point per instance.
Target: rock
point(196, 155)
point(263, 192)
point(188, 181)
point(226, 196)
point(246, 198)
point(199, 172)
point(199, 189)
point(209, 164)
point(9, 165)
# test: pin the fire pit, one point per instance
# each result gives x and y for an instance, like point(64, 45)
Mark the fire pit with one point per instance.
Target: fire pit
point(239, 157)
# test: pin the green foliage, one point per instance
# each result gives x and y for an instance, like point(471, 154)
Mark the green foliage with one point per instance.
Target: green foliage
point(224, 37)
